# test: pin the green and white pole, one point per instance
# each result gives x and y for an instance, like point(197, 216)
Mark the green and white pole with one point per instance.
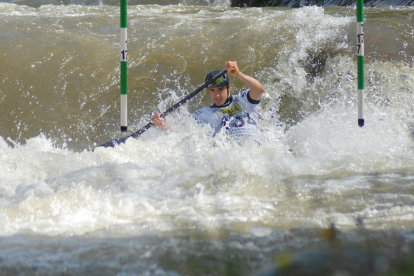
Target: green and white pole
point(360, 57)
point(124, 67)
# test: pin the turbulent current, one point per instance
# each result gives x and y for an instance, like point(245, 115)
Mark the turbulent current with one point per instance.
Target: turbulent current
point(182, 202)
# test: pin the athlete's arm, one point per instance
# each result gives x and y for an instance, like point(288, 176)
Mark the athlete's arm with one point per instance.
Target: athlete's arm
point(256, 88)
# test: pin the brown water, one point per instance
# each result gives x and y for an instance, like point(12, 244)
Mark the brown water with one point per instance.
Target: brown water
point(165, 204)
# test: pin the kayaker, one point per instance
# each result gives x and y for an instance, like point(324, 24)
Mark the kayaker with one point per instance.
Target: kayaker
point(237, 114)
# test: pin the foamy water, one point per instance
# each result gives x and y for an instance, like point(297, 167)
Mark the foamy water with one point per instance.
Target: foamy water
point(146, 206)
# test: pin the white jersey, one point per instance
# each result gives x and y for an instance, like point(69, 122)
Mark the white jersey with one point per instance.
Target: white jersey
point(238, 116)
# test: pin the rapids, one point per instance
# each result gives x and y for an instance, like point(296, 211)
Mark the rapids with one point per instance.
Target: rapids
point(182, 203)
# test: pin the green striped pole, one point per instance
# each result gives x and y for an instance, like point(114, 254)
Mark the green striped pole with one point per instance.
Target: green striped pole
point(360, 56)
point(124, 67)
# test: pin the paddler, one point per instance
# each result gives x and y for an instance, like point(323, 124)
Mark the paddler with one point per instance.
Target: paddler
point(237, 114)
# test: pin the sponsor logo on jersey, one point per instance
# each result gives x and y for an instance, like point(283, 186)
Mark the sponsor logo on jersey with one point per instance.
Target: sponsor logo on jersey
point(231, 110)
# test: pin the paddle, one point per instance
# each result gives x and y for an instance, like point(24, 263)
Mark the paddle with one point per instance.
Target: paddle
point(168, 111)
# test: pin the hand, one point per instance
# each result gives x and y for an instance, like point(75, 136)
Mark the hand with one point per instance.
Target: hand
point(158, 121)
point(232, 68)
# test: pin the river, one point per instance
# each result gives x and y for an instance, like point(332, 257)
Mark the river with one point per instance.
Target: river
point(181, 202)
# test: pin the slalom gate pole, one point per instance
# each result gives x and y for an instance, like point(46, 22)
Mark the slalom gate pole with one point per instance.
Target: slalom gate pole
point(165, 113)
point(124, 67)
point(360, 57)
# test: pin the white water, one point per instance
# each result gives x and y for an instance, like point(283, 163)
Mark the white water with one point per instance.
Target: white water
point(145, 198)
point(169, 182)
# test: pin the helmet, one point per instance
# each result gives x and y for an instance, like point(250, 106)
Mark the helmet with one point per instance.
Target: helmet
point(223, 80)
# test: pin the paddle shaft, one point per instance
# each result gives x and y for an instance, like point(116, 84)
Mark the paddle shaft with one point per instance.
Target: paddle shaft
point(165, 113)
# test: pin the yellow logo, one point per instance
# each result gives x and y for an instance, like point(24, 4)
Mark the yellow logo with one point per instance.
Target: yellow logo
point(231, 110)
